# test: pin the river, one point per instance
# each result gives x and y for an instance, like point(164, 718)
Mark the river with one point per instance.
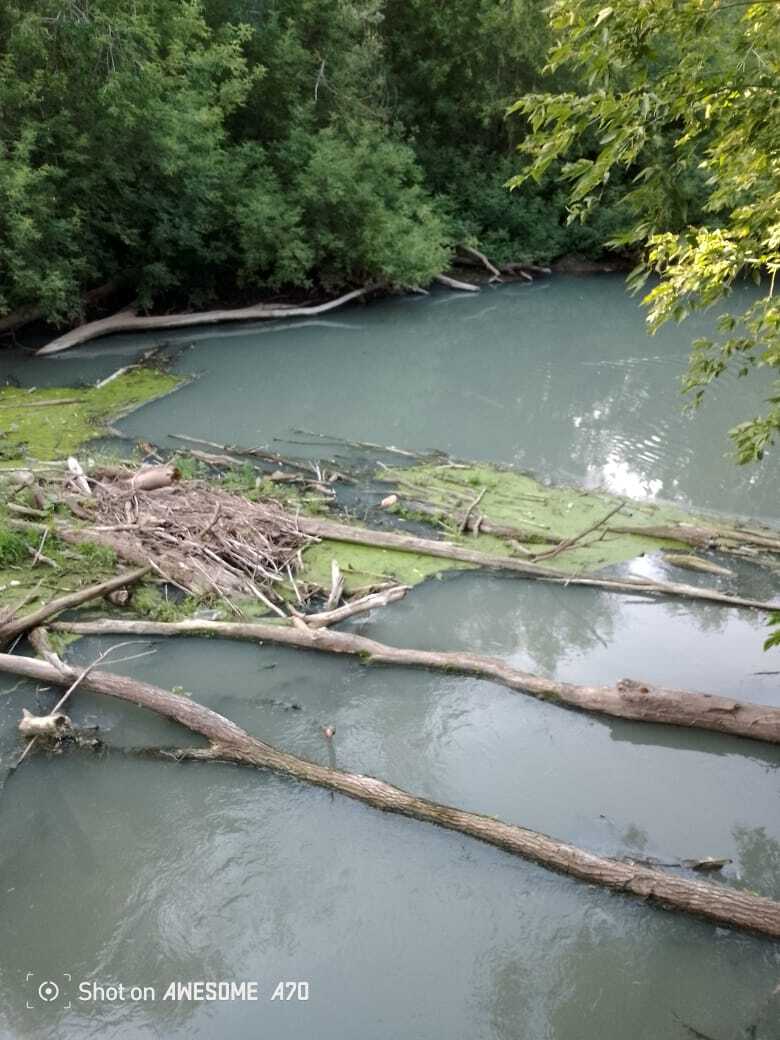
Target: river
point(118, 870)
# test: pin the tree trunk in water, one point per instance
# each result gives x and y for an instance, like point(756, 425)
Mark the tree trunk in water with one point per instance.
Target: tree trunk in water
point(703, 537)
point(230, 743)
point(430, 547)
point(453, 283)
point(638, 702)
point(126, 322)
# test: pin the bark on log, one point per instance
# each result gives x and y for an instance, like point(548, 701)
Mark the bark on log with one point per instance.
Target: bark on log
point(703, 537)
point(453, 283)
point(430, 547)
point(150, 478)
point(16, 626)
point(355, 606)
point(229, 743)
point(628, 699)
point(125, 322)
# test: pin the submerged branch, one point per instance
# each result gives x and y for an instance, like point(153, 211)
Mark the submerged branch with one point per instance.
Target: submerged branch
point(229, 743)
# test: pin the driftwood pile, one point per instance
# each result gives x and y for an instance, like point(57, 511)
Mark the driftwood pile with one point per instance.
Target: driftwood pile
point(200, 538)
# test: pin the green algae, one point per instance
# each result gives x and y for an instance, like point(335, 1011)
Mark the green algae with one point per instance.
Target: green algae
point(363, 565)
point(514, 499)
point(30, 428)
point(71, 567)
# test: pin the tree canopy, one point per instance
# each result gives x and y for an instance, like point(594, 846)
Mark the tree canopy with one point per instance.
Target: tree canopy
point(682, 98)
point(196, 150)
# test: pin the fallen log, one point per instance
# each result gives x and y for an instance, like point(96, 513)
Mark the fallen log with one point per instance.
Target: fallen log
point(702, 537)
point(694, 563)
point(151, 478)
point(447, 550)
point(453, 283)
point(128, 322)
point(16, 626)
point(628, 699)
point(514, 267)
point(361, 605)
point(517, 271)
point(227, 742)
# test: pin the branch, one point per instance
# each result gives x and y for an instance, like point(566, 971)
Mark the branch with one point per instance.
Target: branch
point(430, 547)
point(474, 254)
point(62, 669)
point(229, 743)
point(569, 543)
point(17, 626)
point(628, 699)
point(356, 606)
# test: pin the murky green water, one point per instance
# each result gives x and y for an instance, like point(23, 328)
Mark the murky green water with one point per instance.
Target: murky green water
point(120, 870)
point(559, 378)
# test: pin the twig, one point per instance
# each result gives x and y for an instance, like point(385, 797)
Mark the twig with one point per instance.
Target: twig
point(469, 509)
point(336, 586)
point(53, 401)
point(568, 543)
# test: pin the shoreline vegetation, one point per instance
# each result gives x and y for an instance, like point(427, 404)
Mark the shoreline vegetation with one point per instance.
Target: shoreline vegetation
point(179, 158)
point(474, 271)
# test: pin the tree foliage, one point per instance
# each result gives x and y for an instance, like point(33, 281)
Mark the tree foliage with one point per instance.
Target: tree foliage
point(202, 149)
point(682, 95)
point(183, 149)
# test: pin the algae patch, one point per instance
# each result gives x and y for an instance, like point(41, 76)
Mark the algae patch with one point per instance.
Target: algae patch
point(54, 422)
point(363, 565)
point(549, 514)
point(71, 567)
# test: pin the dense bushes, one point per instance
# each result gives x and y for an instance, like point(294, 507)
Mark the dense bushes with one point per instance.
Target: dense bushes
point(203, 149)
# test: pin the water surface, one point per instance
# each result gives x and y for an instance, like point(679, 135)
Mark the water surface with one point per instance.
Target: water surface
point(559, 378)
point(117, 869)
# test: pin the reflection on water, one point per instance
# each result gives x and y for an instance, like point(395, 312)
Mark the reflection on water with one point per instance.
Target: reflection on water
point(210, 872)
point(559, 378)
point(121, 870)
